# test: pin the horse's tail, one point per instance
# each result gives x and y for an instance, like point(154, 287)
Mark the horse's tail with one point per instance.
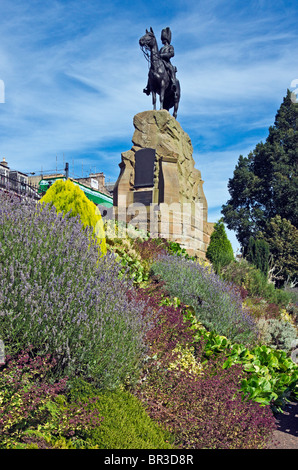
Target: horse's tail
point(172, 97)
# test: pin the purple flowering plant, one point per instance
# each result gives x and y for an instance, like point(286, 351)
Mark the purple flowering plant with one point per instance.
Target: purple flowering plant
point(57, 294)
point(217, 305)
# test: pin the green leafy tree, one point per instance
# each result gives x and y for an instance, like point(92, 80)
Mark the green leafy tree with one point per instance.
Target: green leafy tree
point(242, 212)
point(264, 183)
point(219, 251)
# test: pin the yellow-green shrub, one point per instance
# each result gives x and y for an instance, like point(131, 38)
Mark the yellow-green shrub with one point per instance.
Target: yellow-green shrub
point(69, 199)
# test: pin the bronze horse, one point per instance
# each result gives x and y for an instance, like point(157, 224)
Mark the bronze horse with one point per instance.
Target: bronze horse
point(159, 81)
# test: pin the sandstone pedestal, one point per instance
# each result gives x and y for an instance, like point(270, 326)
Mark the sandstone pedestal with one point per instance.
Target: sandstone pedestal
point(159, 189)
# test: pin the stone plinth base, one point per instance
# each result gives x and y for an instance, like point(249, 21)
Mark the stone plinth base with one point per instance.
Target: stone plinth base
point(159, 189)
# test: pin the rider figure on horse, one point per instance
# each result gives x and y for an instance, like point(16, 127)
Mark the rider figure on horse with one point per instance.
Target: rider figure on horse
point(166, 53)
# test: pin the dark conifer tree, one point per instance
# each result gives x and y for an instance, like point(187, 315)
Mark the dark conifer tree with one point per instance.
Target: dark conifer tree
point(220, 250)
point(265, 183)
point(258, 254)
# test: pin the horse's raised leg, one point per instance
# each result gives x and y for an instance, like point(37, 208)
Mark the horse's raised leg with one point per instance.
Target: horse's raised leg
point(162, 94)
point(175, 109)
point(176, 99)
point(154, 100)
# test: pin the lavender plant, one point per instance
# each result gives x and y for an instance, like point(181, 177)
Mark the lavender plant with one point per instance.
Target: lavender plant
point(58, 295)
point(217, 305)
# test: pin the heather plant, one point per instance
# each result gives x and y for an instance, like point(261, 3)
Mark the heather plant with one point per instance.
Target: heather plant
point(258, 307)
point(125, 425)
point(207, 412)
point(169, 330)
point(34, 413)
point(56, 294)
point(151, 248)
point(216, 304)
point(202, 407)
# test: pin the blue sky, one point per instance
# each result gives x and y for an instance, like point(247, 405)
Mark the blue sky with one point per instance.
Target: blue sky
point(73, 74)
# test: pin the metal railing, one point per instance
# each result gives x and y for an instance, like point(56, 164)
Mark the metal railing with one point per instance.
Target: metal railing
point(18, 186)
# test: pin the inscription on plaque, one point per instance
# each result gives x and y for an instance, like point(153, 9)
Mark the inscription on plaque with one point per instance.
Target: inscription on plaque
point(144, 168)
point(143, 197)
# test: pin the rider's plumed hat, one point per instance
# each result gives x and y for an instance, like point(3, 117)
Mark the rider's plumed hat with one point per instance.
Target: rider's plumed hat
point(166, 34)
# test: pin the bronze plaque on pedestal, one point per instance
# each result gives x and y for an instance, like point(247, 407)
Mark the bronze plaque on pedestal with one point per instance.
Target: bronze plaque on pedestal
point(143, 197)
point(144, 168)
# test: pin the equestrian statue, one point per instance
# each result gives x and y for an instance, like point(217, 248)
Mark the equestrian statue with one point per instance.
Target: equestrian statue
point(162, 74)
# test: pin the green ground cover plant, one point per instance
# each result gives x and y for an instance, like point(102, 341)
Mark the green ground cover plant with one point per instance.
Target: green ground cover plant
point(120, 240)
point(125, 423)
point(271, 377)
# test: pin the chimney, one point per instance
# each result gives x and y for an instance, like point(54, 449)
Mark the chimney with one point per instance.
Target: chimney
point(99, 177)
point(4, 163)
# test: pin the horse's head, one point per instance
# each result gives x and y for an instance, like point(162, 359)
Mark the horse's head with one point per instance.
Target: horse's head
point(148, 41)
